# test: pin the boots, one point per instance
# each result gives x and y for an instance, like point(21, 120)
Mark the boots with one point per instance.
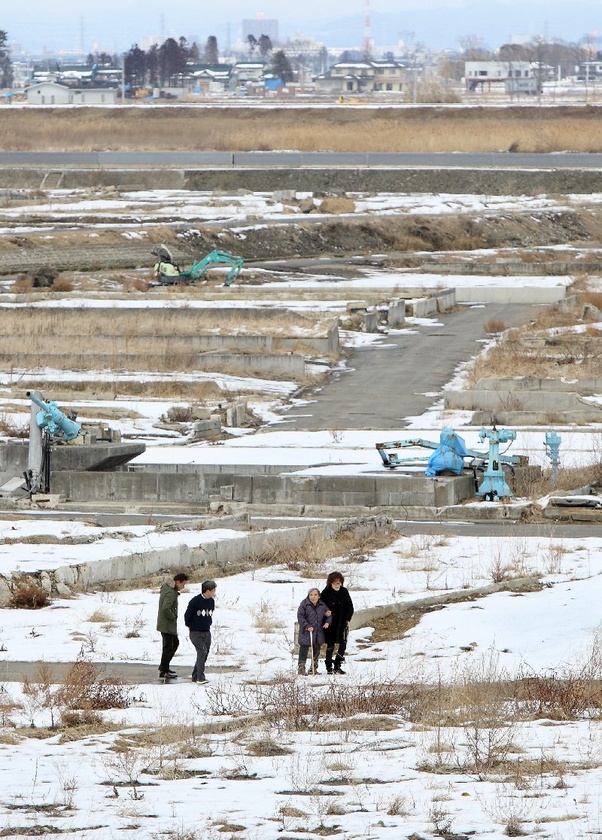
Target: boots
point(301, 669)
point(337, 665)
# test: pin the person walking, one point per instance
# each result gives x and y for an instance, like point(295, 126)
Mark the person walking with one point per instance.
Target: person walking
point(312, 615)
point(338, 601)
point(198, 618)
point(167, 623)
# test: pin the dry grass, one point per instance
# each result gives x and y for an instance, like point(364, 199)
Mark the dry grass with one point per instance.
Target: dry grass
point(27, 595)
point(353, 541)
point(532, 351)
point(525, 129)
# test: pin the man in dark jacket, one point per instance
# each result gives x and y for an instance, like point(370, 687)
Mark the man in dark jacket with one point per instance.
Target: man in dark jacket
point(338, 600)
point(198, 618)
point(167, 623)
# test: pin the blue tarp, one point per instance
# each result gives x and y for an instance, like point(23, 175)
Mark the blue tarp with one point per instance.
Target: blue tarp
point(449, 456)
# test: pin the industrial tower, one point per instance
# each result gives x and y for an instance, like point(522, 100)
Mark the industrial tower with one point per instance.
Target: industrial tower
point(368, 41)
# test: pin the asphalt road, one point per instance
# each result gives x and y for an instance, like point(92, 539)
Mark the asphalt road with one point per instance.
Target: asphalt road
point(131, 673)
point(382, 386)
point(489, 160)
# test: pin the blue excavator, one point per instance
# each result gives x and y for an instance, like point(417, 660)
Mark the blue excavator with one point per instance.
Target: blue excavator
point(168, 273)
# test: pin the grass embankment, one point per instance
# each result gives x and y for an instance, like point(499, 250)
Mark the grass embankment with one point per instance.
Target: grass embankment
point(432, 129)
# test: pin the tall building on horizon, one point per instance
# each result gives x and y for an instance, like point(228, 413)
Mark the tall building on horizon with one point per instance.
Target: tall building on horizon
point(259, 26)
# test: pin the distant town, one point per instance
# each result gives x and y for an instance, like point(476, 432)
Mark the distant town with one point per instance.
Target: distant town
point(261, 64)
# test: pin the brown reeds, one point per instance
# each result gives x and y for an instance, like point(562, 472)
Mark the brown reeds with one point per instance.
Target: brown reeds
point(411, 129)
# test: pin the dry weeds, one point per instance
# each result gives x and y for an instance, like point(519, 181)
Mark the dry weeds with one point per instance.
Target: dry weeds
point(525, 129)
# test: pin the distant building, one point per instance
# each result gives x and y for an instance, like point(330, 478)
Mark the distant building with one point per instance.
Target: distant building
point(52, 93)
point(211, 78)
point(357, 77)
point(514, 76)
point(247, 76)
point(589, 71)
point(260, 26)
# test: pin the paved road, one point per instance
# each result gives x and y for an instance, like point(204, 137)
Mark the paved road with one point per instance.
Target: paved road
point(131, 673)
point(383, 386)
point(489, 160)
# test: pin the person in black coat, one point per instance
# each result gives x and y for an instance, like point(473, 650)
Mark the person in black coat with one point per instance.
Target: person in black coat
point(338, 600)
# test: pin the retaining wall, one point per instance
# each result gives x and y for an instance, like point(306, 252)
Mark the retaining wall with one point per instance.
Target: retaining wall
point(222, 553)
point(359, 491)
point(541, 401)
point(510, 294)
point(592, 385)
point(309, 178)
point(289, 365)
point(384, 490)
point(441, 301)
point(136, 346)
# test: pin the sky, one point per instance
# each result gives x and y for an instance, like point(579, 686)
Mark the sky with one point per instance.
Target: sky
point(114, 26)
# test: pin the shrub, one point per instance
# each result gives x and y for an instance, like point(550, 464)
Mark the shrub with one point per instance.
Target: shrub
point(27, 595)
point(82, 689)
point(62, 284)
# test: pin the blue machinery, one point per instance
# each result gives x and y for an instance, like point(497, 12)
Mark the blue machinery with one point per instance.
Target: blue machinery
point(197, 269)
point(175, 275)
point(552, 446)
point(51, 419)
point(449, 457)
point(51, 426)
point(494, 481)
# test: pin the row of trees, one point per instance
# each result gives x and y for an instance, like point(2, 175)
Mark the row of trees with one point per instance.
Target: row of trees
point(162, 65)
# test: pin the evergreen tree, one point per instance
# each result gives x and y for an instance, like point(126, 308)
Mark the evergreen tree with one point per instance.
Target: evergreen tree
point(6, 67)
point(211, 50)
point(172, 59)
point(134, 64)
point(281, 67)
point(152, 65)
point(265, 44)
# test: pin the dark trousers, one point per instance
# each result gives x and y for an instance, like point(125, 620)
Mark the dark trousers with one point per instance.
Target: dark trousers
point(342, 647)
point(303, 651)
point(170, 646)
point(202, 643)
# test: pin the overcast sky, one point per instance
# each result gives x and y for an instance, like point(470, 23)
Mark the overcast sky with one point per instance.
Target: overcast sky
point(114, 25)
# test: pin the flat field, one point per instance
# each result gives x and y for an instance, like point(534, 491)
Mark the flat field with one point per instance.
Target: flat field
point(338, 128)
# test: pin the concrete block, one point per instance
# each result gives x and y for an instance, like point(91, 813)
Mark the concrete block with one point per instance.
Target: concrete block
point(396, 314)
point(203, 429)
point(370, 321)
point(356, 306)
point(422, 307)
point(446, 299)
point(236, 414)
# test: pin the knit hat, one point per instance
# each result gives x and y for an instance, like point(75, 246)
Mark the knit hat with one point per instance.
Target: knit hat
point(207, 585)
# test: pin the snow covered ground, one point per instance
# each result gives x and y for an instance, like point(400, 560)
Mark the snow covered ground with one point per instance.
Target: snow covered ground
point(361, 779)
point(186, 761)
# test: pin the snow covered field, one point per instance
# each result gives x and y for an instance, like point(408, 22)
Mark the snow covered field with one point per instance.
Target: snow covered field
point(248, 755)
point(204, 771)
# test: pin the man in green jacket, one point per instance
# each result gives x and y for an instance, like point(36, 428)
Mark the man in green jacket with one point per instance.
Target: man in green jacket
point(167, 623)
